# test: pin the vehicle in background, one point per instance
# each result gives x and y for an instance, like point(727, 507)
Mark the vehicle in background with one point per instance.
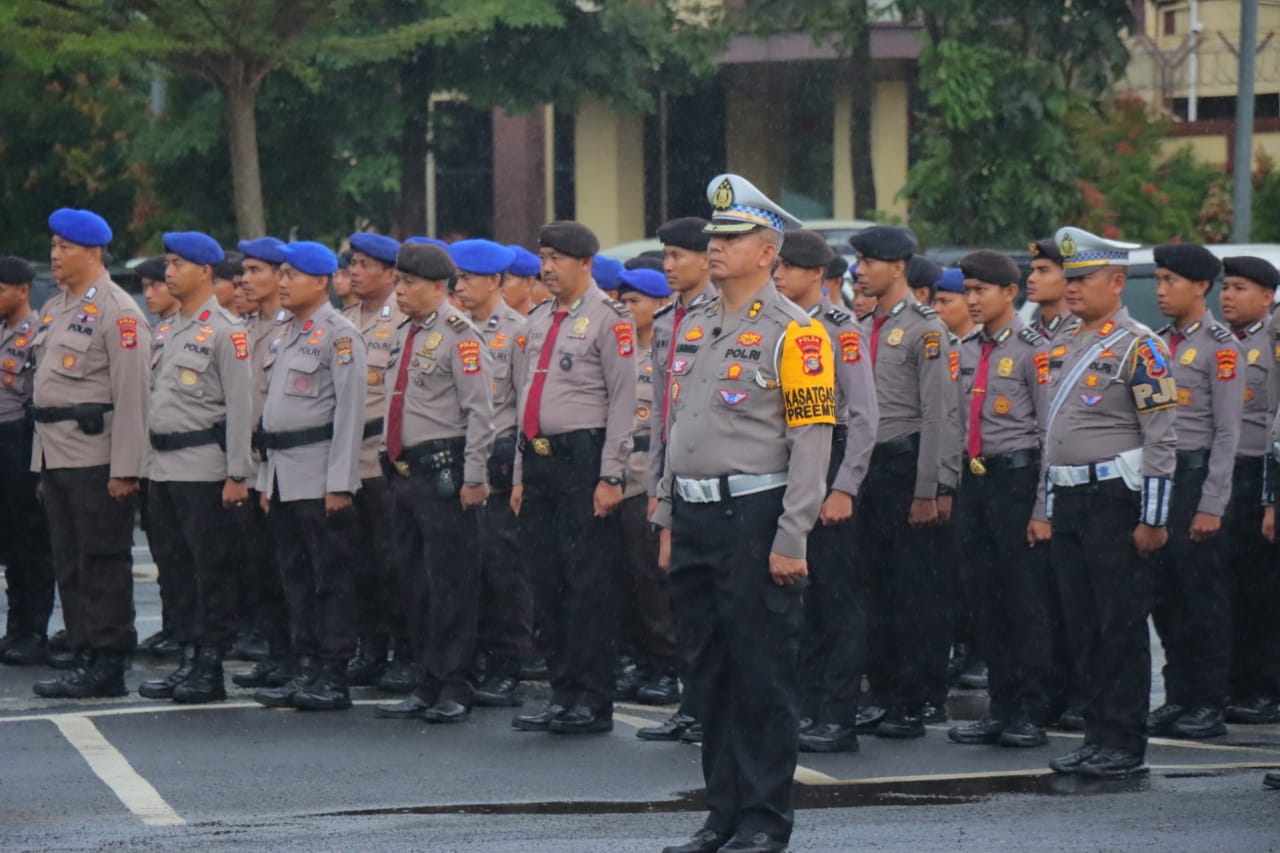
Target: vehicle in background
point(1140, 290)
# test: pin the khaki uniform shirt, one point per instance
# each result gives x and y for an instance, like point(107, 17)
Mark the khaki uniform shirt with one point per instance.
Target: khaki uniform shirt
point(638, 462)
point(316, 375)
point(856, 407)
point(448, 390)
point(664, 329)
point(957, 413)
point(753, 392)
point(1259, 406)
point(1209, 371)
point(93, 349)
point(378, 328)
point(262, 331)
point(200, 377)
point(16, 366)
point(505, 334)
point(1058, 327)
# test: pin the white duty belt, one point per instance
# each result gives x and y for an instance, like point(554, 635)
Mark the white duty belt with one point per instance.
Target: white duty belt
point(712, 490)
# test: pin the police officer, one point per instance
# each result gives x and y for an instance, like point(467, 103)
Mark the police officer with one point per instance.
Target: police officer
point(439, 433)
point(90, 410)
point(225, 275)
point(199, 430)
point(605, 272)
point(518, 284)
point(577, 414)
point(373, 272)
point(833, 648)
point(1111, 451)
point(749, 439)
point(25, 550)
point(1191, 607)
point(833, 279)
point(312, 425)
point(505, 632)
point(1248, 291)
point(1004, 374)
point(1046, 287)
point(901, 579)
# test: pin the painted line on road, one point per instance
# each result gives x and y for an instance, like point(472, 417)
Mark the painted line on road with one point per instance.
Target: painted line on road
point(116, 772)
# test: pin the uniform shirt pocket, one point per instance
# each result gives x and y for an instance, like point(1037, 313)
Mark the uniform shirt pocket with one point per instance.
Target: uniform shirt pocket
point(71, 355)
point(192, 372)
point(303, 379)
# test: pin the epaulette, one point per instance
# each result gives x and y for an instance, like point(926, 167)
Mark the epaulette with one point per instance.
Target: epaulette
point(870, 315)
point(1220, 333)
point(548, 301)
point(617, 307)
point(228, 316)
point(665, 309)
point(457, 323)
point(838, 317)
point(1031, 336)
point(402, 323)
point(924, 310)
point(1169, 328)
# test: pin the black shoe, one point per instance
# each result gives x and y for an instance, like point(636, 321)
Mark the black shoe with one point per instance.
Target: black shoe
point(27, 650)
point(534, 669)
point(1258, 711)
point(412, 707)
point(901, 723)
point(102, 678)
point(829, 737)
point(326, 692)
point(1199, 723)
point(975, 675)
point(932, 713)
point(168, 647)
point(56, 688)
point(154, 640)
point(499, 691)
point(1070, 762)
point(447, 711)
point(869, 718)
point(400, 676)
point(1072, 720)
point(58, 641)
point(540, 720)
point(581, 720)
point(370, 662)
point(660, 691)
point(205, 683)
point(257, 676)
point(703, 841)
point(693, 734)
point(162, 688)
point(1113, 764)
point(68, 659)
point(1159, 720)
point(1272, 779)
point(282, 696)
point(250, 646)
point(289, 669)
point(1023, 735)
point(758, 843)
point(626, 682)
point(981, 732)
point(671, 730)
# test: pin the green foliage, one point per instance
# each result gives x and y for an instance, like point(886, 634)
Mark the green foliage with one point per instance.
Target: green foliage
point(1266, 200)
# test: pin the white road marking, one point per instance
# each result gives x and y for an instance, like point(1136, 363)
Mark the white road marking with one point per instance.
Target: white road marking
point(116, 773)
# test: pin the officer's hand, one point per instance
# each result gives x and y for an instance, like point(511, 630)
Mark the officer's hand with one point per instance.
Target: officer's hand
point(653, 507)
point(234, 494)
point(1037, 532)
point(924, 512)
point(1269, 524)
point(664, 548)
point(336, 502)
point(265, 503)
point(836, 509)
point(787, 570)
point(1204, 526)
point(517, 496)
point(607, 499)
point(944, 508)
point(473, 496)
point(122, 488)
point(1148, 539)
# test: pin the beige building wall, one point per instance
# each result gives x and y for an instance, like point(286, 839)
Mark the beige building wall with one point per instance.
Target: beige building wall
point(609, 173)
point(890, 125)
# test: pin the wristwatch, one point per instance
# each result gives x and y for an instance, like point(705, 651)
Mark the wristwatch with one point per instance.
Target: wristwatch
point(612, 481)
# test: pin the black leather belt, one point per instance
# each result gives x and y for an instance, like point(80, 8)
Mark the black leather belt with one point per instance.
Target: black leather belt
point(295, 437)
point(1192, 460)
point(1015, 461)
point(89, 416)
point(565, 444)
point(216, 434)
point(640, 444)
point(372, 428)
point(427, 457)
point(896, 446)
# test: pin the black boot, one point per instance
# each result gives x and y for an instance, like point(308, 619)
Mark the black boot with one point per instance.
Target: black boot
point(328, 691)
point(290, 668)
point(55, 688)
point(260, 673)
point(370, 662)
point(663, 690)
point(282, 696)
point(205, 683)
point(162, 688)
point(102, 678)
point(26, 650)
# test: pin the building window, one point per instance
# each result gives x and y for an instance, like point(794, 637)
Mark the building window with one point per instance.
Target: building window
point(1170, 23)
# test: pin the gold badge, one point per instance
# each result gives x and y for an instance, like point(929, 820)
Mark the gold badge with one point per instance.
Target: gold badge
point(1006, 367)
point(1067, 246)
point(978, 467)
point(1001, 405)
point(1188, 357)
point(722, 198)
point(1253, 356)
point(402, 468)
point(755, 309)
point(1184, 396)
point(542, 446)
point(895, 337)
point(188, 377)
point(581, 325)
point(433, 340)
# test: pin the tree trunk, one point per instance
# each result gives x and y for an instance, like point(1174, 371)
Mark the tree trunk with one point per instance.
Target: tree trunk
point(246, 177)
point(864, 179)
point(416, 85)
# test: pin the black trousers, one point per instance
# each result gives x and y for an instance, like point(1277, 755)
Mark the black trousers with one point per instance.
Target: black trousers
point(197, 539)
point(649, 631)
point(378, 611)
point(741, 638)
point(92, 538)
point(164, 571)
point(438, 558)
point(24, 545)
point(315, 553)
point(574, 563)
point(1191, 606)
point(271, 615)
point(1254, 577)
point(1106, 598)
point(1012, 607)
point(505, 631)
point(901, 582)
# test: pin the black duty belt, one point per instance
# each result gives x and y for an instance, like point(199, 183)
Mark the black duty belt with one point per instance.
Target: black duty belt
point(897, 446)
point(372, 428)
point(89, 416)
point(294, 437)
point(980, 466)
point(1192, 460)
point(566, 444)
point(428, 457)
point(640, 444)
point(216, 434)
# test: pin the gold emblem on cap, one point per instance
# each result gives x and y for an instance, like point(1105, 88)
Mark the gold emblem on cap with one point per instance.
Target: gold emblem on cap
point(1068, 246)
point(722, 198)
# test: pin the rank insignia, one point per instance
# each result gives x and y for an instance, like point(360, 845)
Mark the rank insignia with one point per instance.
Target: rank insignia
point(581, 325)
point(625, 336)
point(895, 337)
point(343, 347)
point(1184, 396)
point(1005, 368)
point(1091, 380)
point(735, 371)
point(91, 309)
point(732, 398)
point(694, 334)
point(1253, 355)
point(850, 347)
point(1188, 357)
point(1107, 328)
point(1226, 363)
point(469, 351)
point(932, 345)
point(1059, 351)
point(204, 315)
point(811, 354)
point(1001, 405)
point(306, 327)
point(749, 339)
point(128, 332)
point(241, 342)
point(754, 311)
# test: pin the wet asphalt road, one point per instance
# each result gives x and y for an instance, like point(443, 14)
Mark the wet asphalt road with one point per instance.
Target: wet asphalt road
point(135, 774)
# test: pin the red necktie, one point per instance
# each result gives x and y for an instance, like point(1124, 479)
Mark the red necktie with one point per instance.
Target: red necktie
point(395, 414)
point(671, 356)
point(974, 444)
point(875, 336)
point(1175, 339)
point(533, 407)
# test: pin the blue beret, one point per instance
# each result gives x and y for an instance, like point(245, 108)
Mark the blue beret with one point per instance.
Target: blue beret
point(646, 281)
point(952, 280)
point(526, 263)
point(80, 226)
point(376, 246)
point(606, 271)
point(310, 258)
point(481, 257)
point(428, 241)
point(885, 242)
point(267, 249)
point(194, 246)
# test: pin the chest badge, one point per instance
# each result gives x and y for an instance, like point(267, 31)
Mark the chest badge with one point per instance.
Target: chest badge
point(1187, 357)
point(1006, 367)
point(1253, 355)
point(581, 325)
point(895, 337)
point(188, 377)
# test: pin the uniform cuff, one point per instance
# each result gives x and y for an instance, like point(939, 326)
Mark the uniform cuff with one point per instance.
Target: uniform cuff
point(662, 515)
point(787, 545)
point(1155, 500)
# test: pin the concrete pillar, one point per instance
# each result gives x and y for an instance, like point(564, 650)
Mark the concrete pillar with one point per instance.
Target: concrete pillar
point(890, 124)
point(609, 173)
point(519, 176)
point(841, 158)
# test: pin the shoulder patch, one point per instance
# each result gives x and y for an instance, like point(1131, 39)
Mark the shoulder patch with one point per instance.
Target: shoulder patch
point(924, 310)
point(838, 317)
point(1031, 336)
point(1220, 333)
point(618, 307)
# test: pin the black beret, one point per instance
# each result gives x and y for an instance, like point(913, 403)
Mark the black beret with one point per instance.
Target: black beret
point(570, 238)
point(685, 233)
point(1257, 270)
point(425, 261)
point(837, 267)
point(16, 271)
point(152, 268)
point(1047, 249)
point(1189, 261)
point(344, 259)
point(231, 266)
point(922, 272)
point(803, 248)
point(990, 267)
point(885, 242)
point(645, 261)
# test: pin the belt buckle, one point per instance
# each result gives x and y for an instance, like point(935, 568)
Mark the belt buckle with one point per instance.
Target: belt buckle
point(977, 466)
point(402, 467)
point(542, 446)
